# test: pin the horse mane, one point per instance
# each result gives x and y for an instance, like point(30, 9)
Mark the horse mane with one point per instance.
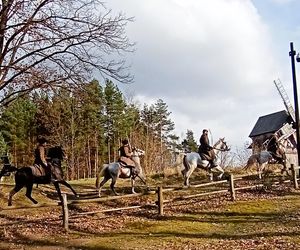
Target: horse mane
point(56, 152)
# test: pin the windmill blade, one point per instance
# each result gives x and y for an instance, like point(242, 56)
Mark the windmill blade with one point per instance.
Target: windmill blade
point(285, 98)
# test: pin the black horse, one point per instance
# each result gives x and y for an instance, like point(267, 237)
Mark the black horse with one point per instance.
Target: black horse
point(29, 175)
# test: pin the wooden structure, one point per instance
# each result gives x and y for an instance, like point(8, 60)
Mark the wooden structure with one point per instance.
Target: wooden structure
point(279, 123)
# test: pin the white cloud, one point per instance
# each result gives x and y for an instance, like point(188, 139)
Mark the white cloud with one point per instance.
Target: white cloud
point(211, 61)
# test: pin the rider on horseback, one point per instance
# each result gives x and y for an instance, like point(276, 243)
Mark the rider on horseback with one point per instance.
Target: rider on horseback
point(273, 147)
point(206, 151)
point(40, 158)
point(125, 156)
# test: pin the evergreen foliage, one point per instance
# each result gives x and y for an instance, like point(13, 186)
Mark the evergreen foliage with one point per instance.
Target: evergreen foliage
point(89, 122)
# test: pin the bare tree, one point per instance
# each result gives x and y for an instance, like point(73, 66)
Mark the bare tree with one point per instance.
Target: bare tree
point(51, 43)
point(242, 155)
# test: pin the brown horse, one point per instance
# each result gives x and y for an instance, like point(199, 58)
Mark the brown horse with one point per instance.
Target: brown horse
point(27, 176)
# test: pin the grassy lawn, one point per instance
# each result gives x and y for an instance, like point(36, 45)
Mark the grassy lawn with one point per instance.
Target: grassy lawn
point(257, 220)
point(255, 224)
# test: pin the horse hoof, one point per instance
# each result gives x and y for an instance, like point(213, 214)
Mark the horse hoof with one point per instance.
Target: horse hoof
point(35, 202)
point(77, 195)
point(9, 204)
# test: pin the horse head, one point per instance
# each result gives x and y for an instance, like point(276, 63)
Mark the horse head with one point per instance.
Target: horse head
point(137, 152)
point(56, 152)
point(221, 145)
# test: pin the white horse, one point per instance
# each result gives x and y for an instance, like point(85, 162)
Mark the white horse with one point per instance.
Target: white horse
point(192, 160)
point(262, 159)
point(114, 171)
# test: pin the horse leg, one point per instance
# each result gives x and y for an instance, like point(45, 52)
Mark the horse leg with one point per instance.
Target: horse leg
point(210, 174)
point(185, 180)
point(142, 179)
point(183, 172)
point(63, 182)
point(187, 177)
point(105, 179)
point(29, 191)
point(285, 169)
point(56, 185)
point(112, 185)
point(132, 186)
point(219, 171)
point(260, 169)
point(15, 190)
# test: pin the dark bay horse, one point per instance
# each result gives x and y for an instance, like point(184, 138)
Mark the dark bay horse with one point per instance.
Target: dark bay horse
point(114, 171)
point(29, 175)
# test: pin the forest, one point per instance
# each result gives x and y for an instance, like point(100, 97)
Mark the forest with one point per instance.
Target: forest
point(90, 123)
point(51, 52)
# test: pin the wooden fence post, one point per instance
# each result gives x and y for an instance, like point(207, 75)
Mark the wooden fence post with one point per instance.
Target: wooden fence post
point(160, 200)
point(65, 212)
point(294, 172)
point(232, 190)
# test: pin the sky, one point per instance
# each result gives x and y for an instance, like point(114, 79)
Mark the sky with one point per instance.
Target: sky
point(213, 62)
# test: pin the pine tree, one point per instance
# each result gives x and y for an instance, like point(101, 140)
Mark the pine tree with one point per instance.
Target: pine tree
point(189, 144)
point(3, 146)
point(158, 128)
point(17, 125)
point(91, 124)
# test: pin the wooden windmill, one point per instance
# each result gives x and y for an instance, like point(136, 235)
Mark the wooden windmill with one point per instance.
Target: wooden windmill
point(280, 123)
point(287, 130)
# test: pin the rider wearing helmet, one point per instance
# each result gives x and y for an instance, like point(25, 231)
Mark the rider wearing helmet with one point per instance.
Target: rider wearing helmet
point(125, 156)
point(206, 151)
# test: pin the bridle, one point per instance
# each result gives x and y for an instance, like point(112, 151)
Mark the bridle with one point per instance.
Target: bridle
point(225, 149)
point(136, 152)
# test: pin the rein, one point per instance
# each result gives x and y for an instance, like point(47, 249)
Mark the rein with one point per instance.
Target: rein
point(220, 149)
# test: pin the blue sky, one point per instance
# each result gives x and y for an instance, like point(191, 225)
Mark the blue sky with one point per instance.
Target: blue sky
point(212, 61)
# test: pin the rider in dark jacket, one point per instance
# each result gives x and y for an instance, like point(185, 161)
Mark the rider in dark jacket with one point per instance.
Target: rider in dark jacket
point(40, 158)
point(273, 147)
point(125, 155)
point(205, 150)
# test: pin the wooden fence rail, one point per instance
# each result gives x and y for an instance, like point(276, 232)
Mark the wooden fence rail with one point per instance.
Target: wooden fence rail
point(160, 197)
point(232, 189)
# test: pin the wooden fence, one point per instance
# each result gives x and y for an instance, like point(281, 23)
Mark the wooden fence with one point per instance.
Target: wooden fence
point(231, 189)
point(160, 191)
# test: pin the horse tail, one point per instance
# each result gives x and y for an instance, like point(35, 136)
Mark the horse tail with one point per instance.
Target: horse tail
point(251, 161)
point(7, 169)
point(101, 174)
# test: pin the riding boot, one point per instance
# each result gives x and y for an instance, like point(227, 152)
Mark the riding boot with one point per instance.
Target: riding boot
point(53, 178)
point(212, 164)
point(133, 171)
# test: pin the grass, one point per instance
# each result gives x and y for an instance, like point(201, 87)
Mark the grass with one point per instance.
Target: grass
point(258, 222)
point(261, 221)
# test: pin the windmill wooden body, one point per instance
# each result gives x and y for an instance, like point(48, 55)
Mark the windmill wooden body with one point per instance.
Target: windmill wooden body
point(280, 123)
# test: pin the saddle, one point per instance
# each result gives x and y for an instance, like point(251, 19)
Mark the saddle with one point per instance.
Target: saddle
point(124, 166)
point(38, 171)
